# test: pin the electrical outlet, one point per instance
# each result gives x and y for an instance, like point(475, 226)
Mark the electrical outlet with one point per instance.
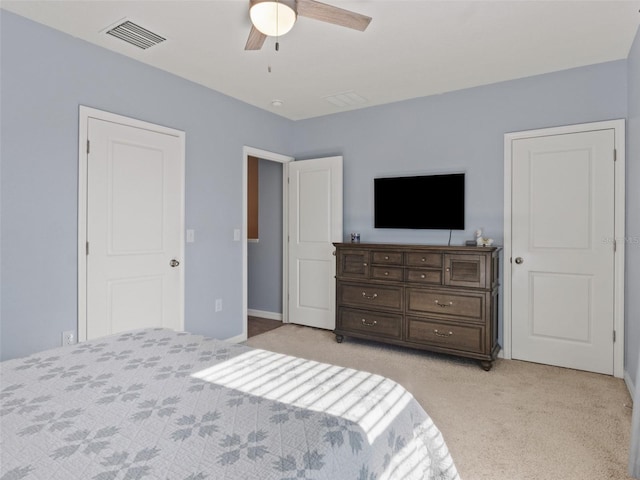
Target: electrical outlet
point(218, 304)
point(69, 338)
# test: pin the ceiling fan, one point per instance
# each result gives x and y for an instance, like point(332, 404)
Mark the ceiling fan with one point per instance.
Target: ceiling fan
point(272, 18)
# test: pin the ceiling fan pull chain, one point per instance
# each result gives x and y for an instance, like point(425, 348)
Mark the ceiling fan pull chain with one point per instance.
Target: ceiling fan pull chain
point(277, 28)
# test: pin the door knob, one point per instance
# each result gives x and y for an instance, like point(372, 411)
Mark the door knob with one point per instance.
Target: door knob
point(174, 263)
point(519, 260)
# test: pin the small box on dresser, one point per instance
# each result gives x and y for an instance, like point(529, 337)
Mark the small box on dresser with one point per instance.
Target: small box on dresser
point(438, 298)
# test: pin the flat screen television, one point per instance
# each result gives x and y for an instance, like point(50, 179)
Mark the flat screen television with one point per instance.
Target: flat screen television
point(420, 202)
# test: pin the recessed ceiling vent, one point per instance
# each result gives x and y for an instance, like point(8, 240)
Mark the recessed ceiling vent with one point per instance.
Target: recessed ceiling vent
point(135, 35)
point(346, 99)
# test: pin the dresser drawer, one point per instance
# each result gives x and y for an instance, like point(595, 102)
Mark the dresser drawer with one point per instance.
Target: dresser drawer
point(372, 323)
point(417, 259)
point(368, 295)
point(427, 277)
point(387, 273)
point(387, 258)
point(458, 304)
point(468, 338)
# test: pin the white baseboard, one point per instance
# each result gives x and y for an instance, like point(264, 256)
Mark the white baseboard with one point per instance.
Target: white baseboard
point(263, 314)
point(237, 339)
point(630, 385)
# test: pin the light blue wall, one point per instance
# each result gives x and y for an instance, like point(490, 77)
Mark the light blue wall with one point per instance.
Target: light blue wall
point(45, 76)
point(458, 131)
point(453, 132)
point(632, 281)
point(265, 257)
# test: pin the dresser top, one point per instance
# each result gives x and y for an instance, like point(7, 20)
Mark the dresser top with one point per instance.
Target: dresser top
point(409, 246)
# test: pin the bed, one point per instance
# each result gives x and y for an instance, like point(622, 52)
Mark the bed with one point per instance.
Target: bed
point(157, 404)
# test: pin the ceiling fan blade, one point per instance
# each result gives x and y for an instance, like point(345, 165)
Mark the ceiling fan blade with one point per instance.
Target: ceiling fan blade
point(256, 39)
point(330, 14)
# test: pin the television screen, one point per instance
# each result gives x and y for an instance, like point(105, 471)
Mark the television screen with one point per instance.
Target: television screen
point(420, 202)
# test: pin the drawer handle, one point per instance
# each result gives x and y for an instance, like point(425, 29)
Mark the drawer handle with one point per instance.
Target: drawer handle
point(372, 324)
point(370, 297)
point(386, 274)
point(439, 334)
point(423, 276)
point(364, 264)
point(423, 259)
point(386, 257)
point(444, 305)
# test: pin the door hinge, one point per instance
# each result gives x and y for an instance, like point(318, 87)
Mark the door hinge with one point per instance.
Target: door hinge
point(88, 146)
point(87, 248)
point(614, 336)
point(510, 259)
point(615, 155)
point(615, 245)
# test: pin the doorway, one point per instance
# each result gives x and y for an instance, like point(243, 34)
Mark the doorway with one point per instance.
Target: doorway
point(265, 234)
point(312, 221)
point(272, 158)
point(564, 268)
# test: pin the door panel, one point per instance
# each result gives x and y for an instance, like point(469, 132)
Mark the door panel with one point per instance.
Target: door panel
point(134, 301)
point(134, 199)
point(313, 294)
point(560, 208)
point(315, 221)
point(134, 229)
point(550, 290)
point(562, 214)
point(314, 206)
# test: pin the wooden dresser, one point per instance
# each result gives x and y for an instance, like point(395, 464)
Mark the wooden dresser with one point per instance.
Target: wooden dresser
point(437, 298)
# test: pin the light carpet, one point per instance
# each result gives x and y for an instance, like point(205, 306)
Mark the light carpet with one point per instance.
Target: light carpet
point(519, 421)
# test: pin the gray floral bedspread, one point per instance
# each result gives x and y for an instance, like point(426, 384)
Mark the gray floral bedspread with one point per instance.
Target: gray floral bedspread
point(157, 404)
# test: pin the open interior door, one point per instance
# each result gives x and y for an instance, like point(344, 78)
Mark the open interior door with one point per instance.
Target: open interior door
point(315, 222)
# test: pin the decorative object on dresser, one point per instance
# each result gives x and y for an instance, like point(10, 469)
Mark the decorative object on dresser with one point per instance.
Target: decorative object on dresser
point(483, 241)
point(438, 298)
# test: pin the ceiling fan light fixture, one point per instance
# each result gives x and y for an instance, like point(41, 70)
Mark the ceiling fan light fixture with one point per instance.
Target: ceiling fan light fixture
point(273, 18)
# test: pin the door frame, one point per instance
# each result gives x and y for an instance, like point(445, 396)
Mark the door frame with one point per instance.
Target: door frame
point(85, 113)
point(619, 229)
point(247, 152)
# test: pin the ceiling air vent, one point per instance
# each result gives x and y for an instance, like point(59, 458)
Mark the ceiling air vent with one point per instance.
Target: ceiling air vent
point(135, 35)
point(346, 99)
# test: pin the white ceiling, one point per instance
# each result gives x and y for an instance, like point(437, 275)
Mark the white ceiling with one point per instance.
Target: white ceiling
point(411, 48)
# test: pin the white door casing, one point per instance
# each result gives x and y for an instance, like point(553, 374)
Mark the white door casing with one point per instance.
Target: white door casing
point(315, 222)
point(562, 303)
point(133, 188)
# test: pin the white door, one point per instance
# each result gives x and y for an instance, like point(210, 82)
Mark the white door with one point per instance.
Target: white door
point(315, 222)
point(135, 191)
point(562, 250)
